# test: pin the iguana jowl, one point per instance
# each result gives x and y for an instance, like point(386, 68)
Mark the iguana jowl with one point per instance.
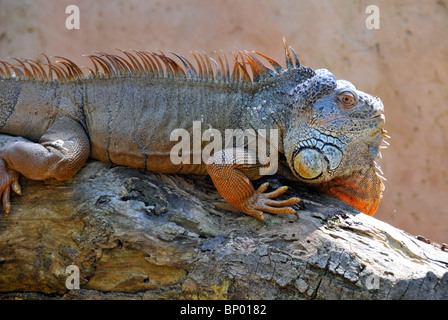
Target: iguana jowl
point(125, 110)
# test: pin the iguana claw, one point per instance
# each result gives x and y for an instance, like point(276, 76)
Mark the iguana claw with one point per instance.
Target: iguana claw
point(8, 179)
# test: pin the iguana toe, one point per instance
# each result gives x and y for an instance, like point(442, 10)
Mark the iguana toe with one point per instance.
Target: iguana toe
point(262, 202)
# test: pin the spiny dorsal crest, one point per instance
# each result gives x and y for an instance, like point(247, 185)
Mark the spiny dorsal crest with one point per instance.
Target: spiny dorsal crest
point(155, 64)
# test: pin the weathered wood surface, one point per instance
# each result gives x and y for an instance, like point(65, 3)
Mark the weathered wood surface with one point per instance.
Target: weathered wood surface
point(143, 235)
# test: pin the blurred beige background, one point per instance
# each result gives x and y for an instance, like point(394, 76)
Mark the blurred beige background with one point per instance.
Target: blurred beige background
point(405, 62)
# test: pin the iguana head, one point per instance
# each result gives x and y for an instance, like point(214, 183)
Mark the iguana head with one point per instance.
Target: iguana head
point(333, 139)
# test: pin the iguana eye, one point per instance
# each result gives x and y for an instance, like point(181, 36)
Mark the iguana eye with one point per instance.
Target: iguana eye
point(347, 99)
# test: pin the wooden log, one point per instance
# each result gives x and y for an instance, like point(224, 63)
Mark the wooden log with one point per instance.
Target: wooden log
point(134, 234)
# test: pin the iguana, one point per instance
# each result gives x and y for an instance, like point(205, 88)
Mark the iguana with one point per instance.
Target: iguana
point(124, 111)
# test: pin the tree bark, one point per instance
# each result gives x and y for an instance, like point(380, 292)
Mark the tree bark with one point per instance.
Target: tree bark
point(134, 234)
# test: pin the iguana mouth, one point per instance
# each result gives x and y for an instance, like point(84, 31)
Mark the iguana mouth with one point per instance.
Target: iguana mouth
point(380, 115)
point(344, 117)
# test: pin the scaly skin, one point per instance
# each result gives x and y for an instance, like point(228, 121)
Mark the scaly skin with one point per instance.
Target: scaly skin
point(330, 132)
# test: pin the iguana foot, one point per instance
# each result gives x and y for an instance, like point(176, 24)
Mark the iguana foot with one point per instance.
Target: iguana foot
point(261, 202)
point(231, 174)
point(9, 179)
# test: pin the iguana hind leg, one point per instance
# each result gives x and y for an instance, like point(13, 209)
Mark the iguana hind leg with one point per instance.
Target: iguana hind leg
point(60, 153)
point(231, 171)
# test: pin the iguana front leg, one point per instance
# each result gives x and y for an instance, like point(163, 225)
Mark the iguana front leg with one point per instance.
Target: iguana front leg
point(60, 153)
point(231, 171)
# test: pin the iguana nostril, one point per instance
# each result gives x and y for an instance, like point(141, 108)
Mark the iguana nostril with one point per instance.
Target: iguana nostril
point(308, 164)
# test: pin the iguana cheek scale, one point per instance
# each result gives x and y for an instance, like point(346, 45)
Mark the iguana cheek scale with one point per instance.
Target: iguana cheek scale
point(125, 109)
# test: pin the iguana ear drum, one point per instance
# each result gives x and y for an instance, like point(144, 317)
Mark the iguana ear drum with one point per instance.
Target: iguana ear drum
point(308, 163)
